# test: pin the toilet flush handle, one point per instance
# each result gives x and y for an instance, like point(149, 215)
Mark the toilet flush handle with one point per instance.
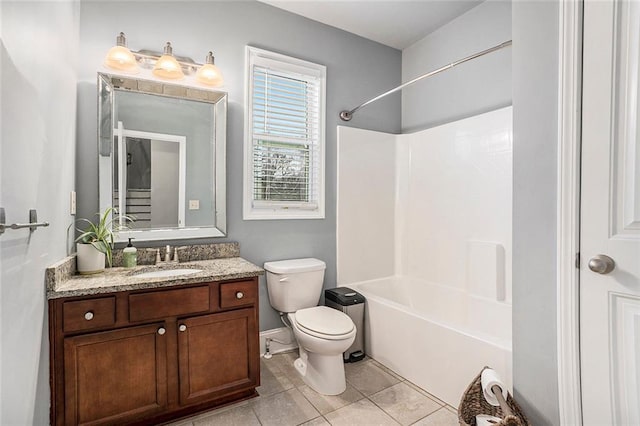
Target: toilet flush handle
point(283, 279)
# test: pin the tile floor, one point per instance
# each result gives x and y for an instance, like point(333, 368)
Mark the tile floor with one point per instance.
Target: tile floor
point(374, 396)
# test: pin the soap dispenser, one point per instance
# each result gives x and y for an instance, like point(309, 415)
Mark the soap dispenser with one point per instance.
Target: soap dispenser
point(130, 255)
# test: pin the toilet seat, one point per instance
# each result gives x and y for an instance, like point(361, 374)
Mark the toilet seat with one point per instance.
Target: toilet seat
point(324, 322)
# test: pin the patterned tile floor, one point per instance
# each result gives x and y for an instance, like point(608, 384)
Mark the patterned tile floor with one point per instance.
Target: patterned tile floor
point(374, 396)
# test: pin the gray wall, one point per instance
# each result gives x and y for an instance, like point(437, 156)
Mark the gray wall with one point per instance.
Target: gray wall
point(357, 69)
point(535, 145)
point(469, 89)
point(38, 54)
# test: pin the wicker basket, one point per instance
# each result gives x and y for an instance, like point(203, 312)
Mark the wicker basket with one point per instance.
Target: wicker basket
point(474, 403)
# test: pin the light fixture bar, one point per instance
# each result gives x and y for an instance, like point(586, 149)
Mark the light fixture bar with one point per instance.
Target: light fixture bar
point(148, 58)
point(166, 65)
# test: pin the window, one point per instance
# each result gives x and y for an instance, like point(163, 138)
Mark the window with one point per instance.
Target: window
point(284, 137)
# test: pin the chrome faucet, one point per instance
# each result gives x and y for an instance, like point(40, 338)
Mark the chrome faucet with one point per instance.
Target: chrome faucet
point(167, 254)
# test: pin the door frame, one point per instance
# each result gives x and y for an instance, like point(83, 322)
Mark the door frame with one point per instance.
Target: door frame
point(123, 133)
point(568, 209)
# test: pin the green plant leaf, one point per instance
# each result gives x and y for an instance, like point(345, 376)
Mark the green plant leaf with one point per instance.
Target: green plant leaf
point(100, 234)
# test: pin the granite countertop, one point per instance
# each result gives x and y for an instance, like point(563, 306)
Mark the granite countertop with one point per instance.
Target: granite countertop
point(62, 281)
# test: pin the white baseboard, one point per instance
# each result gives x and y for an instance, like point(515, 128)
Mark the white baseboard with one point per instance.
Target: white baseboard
point(283, 334)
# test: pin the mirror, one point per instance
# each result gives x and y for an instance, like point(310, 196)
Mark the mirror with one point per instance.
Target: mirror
point(162, 158)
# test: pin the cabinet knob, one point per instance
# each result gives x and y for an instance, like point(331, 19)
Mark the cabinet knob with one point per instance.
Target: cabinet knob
point(88, 316)
point(239, 295)
point(161, 331)
point(182, 327)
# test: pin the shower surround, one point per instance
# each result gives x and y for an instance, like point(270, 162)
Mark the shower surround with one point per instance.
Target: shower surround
point(424, 232)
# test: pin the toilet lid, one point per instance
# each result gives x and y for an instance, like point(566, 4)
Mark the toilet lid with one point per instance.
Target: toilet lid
point(324, 320)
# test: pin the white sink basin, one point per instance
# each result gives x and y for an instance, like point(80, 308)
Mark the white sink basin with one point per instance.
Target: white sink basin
point(165, 273)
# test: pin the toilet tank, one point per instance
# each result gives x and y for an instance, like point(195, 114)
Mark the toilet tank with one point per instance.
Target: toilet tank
point(294, 284)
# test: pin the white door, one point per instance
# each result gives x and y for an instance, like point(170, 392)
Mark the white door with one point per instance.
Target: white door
point(610, 215)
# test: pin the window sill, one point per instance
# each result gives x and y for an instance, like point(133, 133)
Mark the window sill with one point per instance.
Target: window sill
point(282, 214)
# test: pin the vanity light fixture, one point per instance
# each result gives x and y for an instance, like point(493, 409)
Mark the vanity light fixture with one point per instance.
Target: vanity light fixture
point(210, 74)
point(167, 66)
point(120, 57)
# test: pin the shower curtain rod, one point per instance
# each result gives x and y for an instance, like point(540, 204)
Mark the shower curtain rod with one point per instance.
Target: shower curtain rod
point(347, 115)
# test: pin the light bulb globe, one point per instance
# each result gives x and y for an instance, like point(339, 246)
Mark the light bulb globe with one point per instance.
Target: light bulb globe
point(210, 75)
point(168, 68)
point(120, 58)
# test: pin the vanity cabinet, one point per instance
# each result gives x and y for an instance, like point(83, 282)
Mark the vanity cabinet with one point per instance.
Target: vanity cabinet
point(219, 340)
point(115, 375)
point(150, 356)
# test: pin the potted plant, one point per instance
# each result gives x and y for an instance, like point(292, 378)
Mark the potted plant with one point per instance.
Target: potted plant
point(95, 243)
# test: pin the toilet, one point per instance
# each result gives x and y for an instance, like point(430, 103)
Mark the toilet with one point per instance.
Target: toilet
point(322, 333)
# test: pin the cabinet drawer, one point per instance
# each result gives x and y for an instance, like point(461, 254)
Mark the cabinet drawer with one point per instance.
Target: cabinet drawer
point(168, 303)
point(238, 294)
point(88, 314)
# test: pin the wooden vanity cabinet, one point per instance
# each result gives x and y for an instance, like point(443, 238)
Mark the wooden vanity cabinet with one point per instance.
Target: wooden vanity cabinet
point(212, 355)
point(151, 356)
point(115, 375)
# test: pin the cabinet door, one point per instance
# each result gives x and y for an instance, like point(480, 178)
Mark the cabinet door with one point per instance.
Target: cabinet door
point(115, 376)
point(217, 355)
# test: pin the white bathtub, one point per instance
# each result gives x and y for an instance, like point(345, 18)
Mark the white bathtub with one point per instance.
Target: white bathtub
point(435, 336)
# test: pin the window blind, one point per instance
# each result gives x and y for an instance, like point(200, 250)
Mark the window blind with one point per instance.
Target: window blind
point(285, 124)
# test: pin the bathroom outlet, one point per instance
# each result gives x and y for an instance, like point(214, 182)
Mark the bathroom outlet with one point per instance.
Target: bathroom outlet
point(72, 203)
point(194, 204)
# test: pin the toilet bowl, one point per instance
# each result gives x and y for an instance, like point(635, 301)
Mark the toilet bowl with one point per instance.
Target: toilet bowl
point(322, 333)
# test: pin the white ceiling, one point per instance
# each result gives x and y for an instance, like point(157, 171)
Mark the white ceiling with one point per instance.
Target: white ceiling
point(398, 23)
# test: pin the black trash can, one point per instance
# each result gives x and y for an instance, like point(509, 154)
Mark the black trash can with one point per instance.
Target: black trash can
point(351, 303)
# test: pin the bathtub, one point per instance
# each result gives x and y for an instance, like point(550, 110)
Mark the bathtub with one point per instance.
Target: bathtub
point(435, 336)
